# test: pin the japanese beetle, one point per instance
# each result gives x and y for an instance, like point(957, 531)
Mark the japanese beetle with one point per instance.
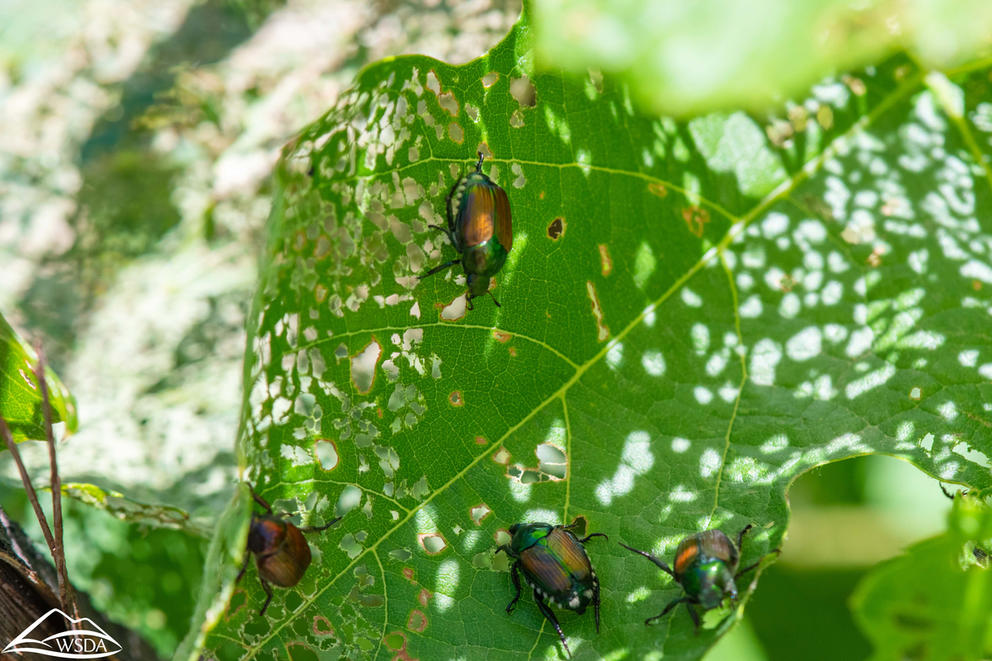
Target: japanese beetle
point(282, 555)
point(706, 568)
point(480, 229)
point(554, 563)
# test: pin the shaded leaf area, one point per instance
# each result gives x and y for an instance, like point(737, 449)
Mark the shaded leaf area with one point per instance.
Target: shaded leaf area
point(20, 396)
point(163, 567)
point(934, 601)
point(693, 59)
point(127, 509)
point(685, 328)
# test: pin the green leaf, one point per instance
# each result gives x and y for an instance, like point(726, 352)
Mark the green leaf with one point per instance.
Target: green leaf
point(688, 58)
point(718, 313)
point(127, 509)
point(20, 399)
point(934, 602)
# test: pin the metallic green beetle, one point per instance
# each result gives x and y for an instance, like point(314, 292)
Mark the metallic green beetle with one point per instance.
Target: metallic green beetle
point(480, 228)
point(706, 568)
point(555, 565)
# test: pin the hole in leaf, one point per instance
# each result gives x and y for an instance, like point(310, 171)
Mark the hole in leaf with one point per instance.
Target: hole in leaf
point(417, 621)
point(363, 366)
point(449, 103)
point(551, 460)
point(479, 512)
point(400, 554)
point(523, 91)
point(490, 79)
point(349, 499)
point(350, 545)
point(433, 543)
point(327, 454)
point(556, 228)
point(455, 398)
point(454, 310)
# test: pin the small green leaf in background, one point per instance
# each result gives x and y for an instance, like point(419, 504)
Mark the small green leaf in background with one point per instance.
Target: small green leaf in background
point(693, 314)
point(691, 57)
point(20, 398)
point(935, 601)
point(127, 509)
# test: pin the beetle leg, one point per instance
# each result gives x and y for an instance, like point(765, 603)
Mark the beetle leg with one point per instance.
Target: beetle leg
point(661, 564)
point(244, 567)
point(516, 583)
point(595, 534)
point(468, 302)
point(549, 615)
point(261, 501)
point(268, 594)
point(740, 535)
point(447, 233)
point(478, 166)
point(694, 615)
point(672, 604)
point(494, 300)
point(755, 564)
point(439, 268)
point(595, 599)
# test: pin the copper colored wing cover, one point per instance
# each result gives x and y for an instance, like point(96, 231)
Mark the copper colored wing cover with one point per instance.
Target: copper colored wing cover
point(485, 211)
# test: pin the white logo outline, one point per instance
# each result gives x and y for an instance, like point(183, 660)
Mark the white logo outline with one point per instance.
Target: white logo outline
point(92, 630)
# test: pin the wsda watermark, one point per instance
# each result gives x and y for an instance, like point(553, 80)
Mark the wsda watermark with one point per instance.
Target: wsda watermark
point(78, 639)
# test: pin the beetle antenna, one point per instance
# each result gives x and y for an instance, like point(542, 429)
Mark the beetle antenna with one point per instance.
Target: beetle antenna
point(760, 560)
point(740, 535)
point(438, 268)
point(478, 166)
point(661, 564)
point(323, 527)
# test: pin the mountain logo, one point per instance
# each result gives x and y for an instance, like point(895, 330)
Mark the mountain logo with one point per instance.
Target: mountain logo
point(80, 639)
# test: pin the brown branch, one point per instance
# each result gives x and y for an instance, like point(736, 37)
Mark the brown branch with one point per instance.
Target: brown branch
point(28, 487)
point(66, 595)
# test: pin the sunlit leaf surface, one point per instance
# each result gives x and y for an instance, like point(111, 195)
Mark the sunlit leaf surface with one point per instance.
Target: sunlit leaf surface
point(20, 397)
point(692, 315)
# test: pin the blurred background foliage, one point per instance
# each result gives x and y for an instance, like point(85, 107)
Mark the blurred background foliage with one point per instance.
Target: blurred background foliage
point(134, 179)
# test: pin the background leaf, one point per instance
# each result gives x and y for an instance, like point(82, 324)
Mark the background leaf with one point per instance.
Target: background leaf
point(693, 58)
point(20, 398)
point(934, 601)
point(725, 308)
